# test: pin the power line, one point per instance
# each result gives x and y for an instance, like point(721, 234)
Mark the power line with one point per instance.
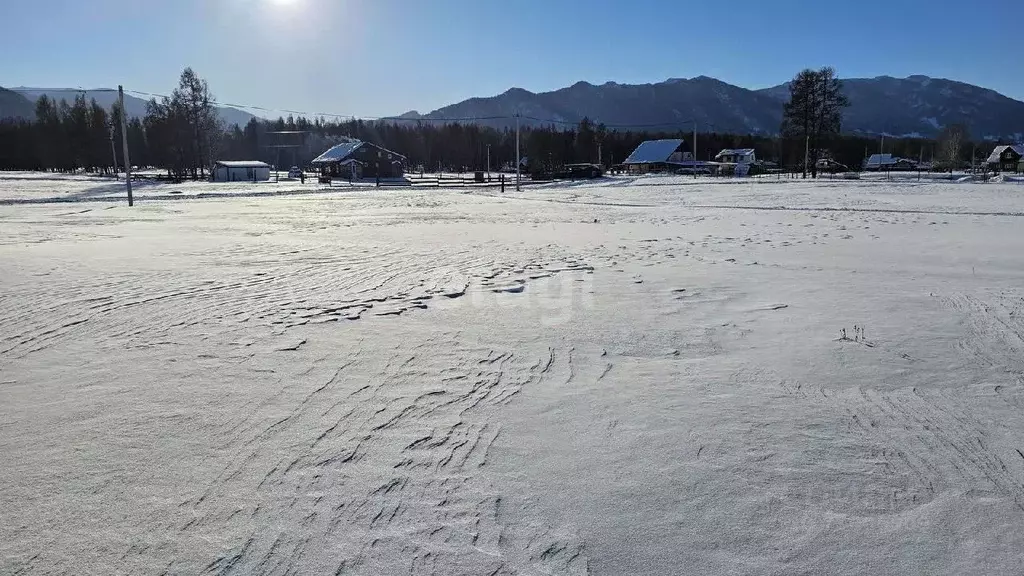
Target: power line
point(77, 90)
point(332, 114)
point(672, 124)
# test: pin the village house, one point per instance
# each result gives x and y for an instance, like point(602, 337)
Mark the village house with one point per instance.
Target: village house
point(1006, 158)
point(356, 159)
point(736, 156)
point(888, 163)
point(880, 162)
point(658, 156)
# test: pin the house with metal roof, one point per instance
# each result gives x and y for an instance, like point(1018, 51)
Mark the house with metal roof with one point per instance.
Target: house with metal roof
point(881, 162)
point(240, 171)
point(736, 156)
point(356, 159)
point(658, 156)
point(888, 163)
point(1007, 158)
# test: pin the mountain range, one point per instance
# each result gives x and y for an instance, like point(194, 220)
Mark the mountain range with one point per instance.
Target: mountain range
point(14, 105)
point(135, 106)
point(916, 106)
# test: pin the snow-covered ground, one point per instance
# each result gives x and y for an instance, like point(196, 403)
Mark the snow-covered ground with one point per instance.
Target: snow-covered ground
point(34, 188)
point(627, 376)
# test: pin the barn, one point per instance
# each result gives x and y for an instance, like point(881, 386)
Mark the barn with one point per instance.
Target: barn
point(240, 171)
point(356, 159)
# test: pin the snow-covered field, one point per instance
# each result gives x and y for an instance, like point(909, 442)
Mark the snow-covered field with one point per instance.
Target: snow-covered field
point(629, 376)
point(35, 188)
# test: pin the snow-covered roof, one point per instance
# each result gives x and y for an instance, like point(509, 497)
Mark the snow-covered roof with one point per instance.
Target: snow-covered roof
point(736, 152)
point(653, 151)
point(345, 149)
point(881, 160)
point(337, 153)
point(994, 157)
point(242, 164)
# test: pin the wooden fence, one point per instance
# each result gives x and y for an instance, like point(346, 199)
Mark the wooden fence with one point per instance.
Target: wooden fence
point(467, 180)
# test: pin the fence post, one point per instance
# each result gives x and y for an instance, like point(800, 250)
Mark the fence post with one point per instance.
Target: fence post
point(502, 183)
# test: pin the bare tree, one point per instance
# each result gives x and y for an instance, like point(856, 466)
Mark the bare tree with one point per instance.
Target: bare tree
point(951, 143)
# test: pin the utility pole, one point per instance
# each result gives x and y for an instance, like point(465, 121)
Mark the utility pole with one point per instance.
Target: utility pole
point(519, 166)
point(694, 149)
point(488, 162)
point(807, 152)
point(124, 143)
point(113, 151)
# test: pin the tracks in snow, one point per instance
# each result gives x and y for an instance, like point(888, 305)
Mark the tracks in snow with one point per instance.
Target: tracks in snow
point(380, 466)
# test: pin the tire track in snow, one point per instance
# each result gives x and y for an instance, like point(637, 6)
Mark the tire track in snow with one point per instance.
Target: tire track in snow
point(399, 474)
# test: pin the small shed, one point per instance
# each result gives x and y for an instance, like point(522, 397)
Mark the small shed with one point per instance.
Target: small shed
point(241, 171)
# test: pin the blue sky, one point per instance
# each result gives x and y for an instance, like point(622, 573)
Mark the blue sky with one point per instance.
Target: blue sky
point(382, 57)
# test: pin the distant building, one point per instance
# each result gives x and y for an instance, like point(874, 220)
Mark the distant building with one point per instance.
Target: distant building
point(658, 156)
point(1006, 158)
point(241, 171)
point(888, 163)
point(356, 159)
point(737, 156)
point(878, 162)
point(829, 165)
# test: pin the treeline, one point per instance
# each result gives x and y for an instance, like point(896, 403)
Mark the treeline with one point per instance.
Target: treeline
point(182, 135)
point(65, 137)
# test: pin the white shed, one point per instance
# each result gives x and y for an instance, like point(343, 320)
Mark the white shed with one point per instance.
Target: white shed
point(241, 171)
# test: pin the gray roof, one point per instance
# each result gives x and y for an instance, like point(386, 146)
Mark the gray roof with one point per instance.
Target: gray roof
point(736, 152)
point(994, 157)
point(881, 160)
point(337, 153)
point(653, 151)
point(243, 164)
